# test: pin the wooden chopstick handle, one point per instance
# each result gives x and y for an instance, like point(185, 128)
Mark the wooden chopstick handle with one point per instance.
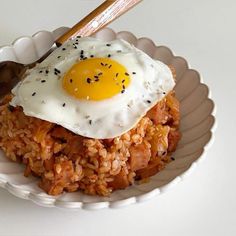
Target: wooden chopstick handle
point(97, 19)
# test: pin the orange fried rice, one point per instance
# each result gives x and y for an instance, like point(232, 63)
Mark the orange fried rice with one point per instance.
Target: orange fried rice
point(64, 161)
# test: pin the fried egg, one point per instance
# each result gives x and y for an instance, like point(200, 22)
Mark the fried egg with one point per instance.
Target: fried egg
point(94, 88)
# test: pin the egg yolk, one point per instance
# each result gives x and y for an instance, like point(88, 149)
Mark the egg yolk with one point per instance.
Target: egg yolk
point(96, 79)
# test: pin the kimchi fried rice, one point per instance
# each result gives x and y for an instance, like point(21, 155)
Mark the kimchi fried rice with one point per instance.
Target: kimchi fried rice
point(64, 161)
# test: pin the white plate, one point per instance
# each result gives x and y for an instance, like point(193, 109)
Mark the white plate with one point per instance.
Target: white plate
point(197, 123)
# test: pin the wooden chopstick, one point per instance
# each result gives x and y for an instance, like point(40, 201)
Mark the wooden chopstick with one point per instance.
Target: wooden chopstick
point(97, 19)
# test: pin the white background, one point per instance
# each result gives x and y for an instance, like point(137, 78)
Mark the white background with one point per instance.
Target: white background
point(202, 31)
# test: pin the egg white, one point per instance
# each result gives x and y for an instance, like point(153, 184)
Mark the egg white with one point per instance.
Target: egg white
point(107, 118)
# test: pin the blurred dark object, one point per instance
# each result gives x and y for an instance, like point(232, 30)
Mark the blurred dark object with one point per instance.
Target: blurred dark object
point(10, 74)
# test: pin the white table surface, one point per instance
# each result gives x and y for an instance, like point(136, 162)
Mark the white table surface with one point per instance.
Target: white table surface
point(202, 31)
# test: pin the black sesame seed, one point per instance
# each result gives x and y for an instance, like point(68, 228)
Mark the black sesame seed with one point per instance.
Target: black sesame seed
point(96, 80)
point(164, 153)
point(91, 55)
point(133, 73)
point(117, 74)
point(63, 49)
point(76, 40)
point(109, 66)
point(82, 52)
point(63, 104)
point(102, 64)
point(123, 81)
point(90, 122)
point(40, 71)
point(71, 80)
point(78, 37)
point(88, 80)
point(100, 73)
point(122, 91)
point(95, 76)
point(164, 93)
point(43, 81)
point(123, 86)
point(126, 73)
point(105, 64)
point(59, 57)
point(33, 94)
point(46, 71)
point(119, 51)
point(172, 158)
point(76, 43)
point(85, 58)
point(109, 55)
point(108, 44)
point(56, 70)
point(75, 47)
point(148, 101)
